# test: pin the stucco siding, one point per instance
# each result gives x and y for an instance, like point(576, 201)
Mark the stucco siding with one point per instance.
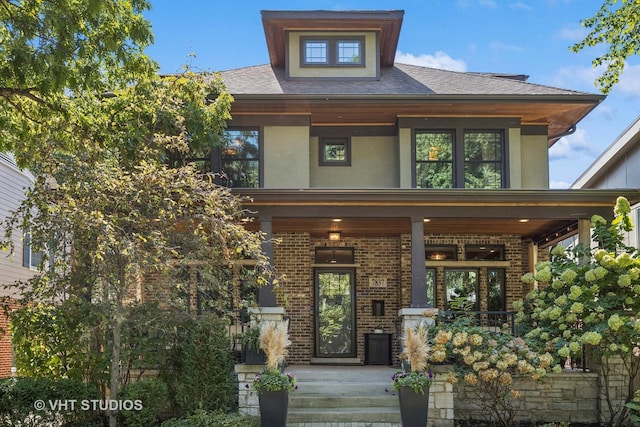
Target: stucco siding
point(374, 164)
point(286, 150)
point(534, 161)
point(370, 69)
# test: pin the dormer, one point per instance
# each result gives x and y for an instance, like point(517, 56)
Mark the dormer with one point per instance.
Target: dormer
point(332, 44)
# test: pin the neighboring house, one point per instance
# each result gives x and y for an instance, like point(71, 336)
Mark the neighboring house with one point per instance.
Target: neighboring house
point(18, 264)
point(392, 187)
point(618, 167)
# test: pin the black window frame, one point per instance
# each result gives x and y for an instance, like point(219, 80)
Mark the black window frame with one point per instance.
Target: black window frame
point(476, 303)
point(459, 128)
point(227, 157)
point(324, 141)
point(332, 46)
point(494, 252)
point(503, 290)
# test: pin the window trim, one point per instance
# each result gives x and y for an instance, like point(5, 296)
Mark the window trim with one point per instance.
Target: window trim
point(221, 159)
point(324, 141)
point(459, 127)
point(332, 43)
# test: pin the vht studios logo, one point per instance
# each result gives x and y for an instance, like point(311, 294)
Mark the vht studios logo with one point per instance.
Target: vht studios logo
point(88, 405)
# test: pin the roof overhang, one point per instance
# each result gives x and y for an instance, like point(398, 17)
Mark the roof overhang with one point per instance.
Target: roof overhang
point(386, 23)
point(558, 112)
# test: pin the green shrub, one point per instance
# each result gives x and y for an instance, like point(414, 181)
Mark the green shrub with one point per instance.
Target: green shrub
point(207, 419)
point(42, 401)
point(150, 398)
point(199, 370)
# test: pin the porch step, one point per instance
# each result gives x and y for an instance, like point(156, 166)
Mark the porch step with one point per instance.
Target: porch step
point(353, 396)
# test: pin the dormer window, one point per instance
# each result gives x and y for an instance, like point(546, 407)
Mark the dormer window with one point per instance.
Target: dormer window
point(332, 51)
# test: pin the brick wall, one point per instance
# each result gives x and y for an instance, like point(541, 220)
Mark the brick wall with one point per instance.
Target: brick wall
point(387, 257)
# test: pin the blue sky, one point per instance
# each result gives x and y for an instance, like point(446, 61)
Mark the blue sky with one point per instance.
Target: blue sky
point(509, 36)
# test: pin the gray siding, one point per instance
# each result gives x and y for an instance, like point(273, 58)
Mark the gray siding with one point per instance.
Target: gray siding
point(12, 185)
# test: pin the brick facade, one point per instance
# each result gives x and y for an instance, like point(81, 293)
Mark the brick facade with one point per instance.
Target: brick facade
point(385, 257)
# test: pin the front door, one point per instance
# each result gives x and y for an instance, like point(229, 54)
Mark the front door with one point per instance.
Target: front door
point(335, 313)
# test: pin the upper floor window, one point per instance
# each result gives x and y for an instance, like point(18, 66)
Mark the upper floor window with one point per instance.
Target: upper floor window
point(483, 166)
point(434, 159)
point(459, 158)
point(335, 152)
point(240, 158)
point(332, 51)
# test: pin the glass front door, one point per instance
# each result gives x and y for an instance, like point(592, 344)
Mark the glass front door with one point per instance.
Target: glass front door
point(335, 313)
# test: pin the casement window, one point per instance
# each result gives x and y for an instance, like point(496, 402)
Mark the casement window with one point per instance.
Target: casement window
point(335, 152)
point(240, 158)
point(332, 51)
point(459, 158)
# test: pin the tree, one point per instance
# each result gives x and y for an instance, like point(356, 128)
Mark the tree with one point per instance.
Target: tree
point(118, 222)
point(54, 51)
point(591, 300)
point(617, 26)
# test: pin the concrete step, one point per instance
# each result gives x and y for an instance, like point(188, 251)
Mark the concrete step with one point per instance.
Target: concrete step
point(344, 415)
point(333, 401)
point(343, 396)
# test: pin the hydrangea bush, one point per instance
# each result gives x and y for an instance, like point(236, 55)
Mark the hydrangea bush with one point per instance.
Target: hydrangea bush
point(589, 298)
point(488, 363)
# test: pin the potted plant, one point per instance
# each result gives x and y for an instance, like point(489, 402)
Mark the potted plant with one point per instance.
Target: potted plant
point(378, 329)
point(252, 354)
point(414, 379)
point(273, 384)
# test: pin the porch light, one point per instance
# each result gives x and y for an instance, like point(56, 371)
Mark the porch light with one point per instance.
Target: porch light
point(334, 236)
point(438, 256)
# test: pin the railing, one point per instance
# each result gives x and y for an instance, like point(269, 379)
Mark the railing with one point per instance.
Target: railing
point(496, 321)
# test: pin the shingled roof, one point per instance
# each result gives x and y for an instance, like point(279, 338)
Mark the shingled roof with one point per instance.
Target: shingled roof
point(400, 80)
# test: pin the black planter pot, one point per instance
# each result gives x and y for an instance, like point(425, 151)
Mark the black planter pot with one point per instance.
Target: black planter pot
point(273, 408)
point(254, 357)
point(414, 407)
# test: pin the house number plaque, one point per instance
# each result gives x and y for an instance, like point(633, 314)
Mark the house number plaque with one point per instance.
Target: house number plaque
point(377, 282)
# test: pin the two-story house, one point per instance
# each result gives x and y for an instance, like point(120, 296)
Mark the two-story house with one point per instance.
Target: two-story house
point(389, 187)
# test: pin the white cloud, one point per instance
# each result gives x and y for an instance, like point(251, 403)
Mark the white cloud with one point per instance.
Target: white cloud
point(520, 5)
point(572, 146)
point(558, 185)
point(629, 83)
point(439, 60)
point(573, 33)
point(499, 45)
point(488, 3)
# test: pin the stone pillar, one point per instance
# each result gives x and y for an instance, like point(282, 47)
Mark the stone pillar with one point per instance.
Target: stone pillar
point(247, 397)
point(413, 317)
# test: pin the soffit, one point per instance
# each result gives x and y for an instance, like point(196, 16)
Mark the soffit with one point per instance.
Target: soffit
point(559, 115)
point(277, 23)
point(390, 212)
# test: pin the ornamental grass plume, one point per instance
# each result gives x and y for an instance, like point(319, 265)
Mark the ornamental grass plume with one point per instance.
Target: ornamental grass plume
point(274, 340)
point(416, 348)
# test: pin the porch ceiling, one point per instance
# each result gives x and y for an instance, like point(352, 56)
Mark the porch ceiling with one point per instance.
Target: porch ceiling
point(549, 214)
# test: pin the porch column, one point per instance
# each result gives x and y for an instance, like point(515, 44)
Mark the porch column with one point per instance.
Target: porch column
point(418, 268)
point(584, 235)
point(266, 295)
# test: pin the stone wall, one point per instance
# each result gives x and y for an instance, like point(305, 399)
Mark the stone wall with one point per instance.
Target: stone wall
point(571, 396)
